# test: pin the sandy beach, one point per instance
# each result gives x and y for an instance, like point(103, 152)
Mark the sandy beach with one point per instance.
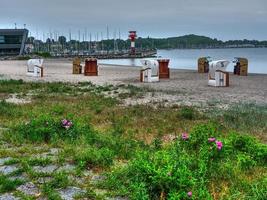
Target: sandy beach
point(184, 87)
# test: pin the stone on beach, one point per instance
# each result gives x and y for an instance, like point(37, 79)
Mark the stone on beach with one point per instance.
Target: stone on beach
point(46, 169)
point(29, 189)
point(3, 160)
point(8, 169)
point(8, 197)
point(66, 168)
point(69, 193)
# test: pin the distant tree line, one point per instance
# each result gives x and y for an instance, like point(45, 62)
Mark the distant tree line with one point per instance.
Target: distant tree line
point(182, 42)
point(194, 42)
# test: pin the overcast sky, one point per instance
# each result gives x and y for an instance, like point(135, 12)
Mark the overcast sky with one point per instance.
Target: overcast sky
point(222, 19)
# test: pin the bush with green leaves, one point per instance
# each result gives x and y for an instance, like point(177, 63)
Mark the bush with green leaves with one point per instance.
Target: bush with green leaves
point(43, 54)
point(9, 109)
point(17, 86)
point(8, 185)
point(45, 128)
point(60, 180)
point(187, 113)
point(93, 157)
point(189, 166)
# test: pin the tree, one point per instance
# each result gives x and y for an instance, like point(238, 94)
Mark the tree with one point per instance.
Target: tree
point(30, 40)
point(62, 40)
point(48, 42)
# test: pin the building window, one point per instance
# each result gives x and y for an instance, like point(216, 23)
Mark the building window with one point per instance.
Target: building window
point(2, 39)
point(13, 39)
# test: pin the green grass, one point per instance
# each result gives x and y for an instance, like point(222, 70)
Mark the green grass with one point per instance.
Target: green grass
point(243, 117)
point(12, 161)
point(188, 113)
point(105, 133)
point(94, 157)
point(7, 185)
point(38, 161)
point(9, 109)
point(246, 117)
point(133, 91)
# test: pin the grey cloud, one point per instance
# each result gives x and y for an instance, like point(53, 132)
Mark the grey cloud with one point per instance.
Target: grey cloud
point(223, 19)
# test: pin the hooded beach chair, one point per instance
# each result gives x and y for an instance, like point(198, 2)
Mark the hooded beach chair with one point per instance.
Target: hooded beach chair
point(91, 67)
point(35, 67)
point(241, 66)
point(218, 76)
point(76, 66)
point(203, 64)
point(150, 71)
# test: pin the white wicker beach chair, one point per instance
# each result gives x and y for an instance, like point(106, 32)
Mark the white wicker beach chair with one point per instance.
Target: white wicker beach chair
point(218, 77)
point(35, 67)
point(150, 71)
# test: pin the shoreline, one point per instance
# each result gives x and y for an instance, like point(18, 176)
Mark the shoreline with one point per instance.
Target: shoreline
point(171, 68)
point(185, 87)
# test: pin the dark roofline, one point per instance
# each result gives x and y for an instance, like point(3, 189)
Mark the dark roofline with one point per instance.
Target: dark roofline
point(13, 31)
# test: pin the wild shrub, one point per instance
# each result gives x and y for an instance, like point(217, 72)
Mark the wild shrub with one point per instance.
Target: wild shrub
point(255, 189)
point(93, 157)
point(23, 57)
point(187, 113)
point(184, 169)
point(45, 128)
point(96, 105)
point(43, 54)
point(9, 109)
point(133, 92)
point(17, 86)
point(7, 185)
point(118, 124)
point(58, 88)
point(60, 180)
point(123, 148)
point(11, 82)
point(58, 109)
point(38, 161)
point(50, 192)
point(245, 144)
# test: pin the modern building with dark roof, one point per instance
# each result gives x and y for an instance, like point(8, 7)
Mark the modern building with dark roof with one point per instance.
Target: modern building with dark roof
point(12, 41)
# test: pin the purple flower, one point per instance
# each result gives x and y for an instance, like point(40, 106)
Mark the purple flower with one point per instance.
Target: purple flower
point(185, 136)
point(212, 139)
point(219, 145)
point(66, 123)
point(189, 194)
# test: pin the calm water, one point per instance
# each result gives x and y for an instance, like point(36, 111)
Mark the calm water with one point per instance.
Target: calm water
point(187, 58)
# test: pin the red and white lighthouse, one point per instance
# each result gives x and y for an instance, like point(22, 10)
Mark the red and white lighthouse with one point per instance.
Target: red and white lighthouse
point(132, 37)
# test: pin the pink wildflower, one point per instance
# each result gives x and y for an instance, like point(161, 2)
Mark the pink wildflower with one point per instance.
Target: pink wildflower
point(212, 139)
point(185, 136)
point(219, 145)
point(66, 123)
point(189, 194)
